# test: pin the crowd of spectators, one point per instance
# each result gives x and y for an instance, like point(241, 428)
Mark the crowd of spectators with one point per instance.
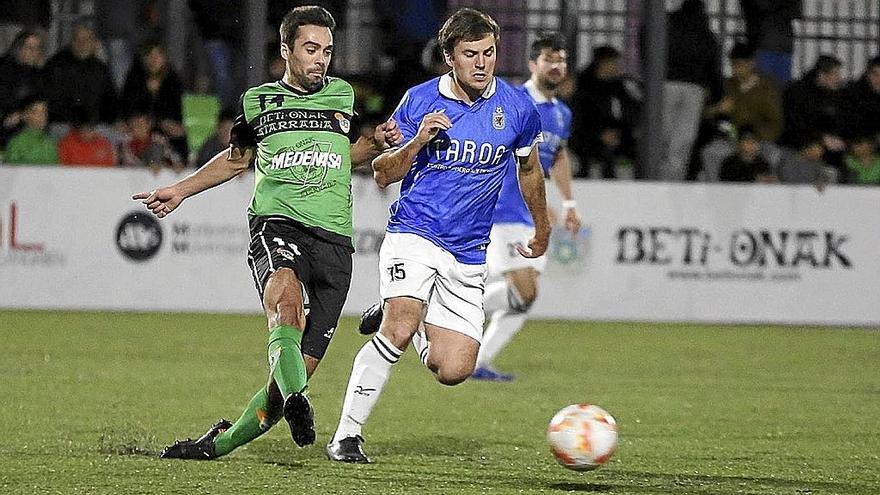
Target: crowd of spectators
point(103, 103)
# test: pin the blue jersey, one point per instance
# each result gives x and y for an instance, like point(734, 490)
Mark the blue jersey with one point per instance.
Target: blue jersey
point(556, 127)
point(448, 196)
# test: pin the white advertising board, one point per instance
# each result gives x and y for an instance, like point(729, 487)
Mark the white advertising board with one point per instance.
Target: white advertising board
point(73, 239)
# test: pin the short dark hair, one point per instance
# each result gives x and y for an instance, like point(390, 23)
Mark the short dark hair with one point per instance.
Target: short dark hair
point(827, 63)
point(604, 53)
point(742, 51)
point(466, 25)
point(308, 15)
point(552, 41)
point(874, 62)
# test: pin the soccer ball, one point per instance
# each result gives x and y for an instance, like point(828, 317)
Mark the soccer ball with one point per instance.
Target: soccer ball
point(582, 437)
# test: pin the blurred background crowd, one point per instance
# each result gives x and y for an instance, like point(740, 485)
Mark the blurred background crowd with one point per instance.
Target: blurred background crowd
point(752, 90)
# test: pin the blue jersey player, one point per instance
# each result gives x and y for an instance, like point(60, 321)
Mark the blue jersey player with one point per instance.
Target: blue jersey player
point(462, 133)
point(508, 301)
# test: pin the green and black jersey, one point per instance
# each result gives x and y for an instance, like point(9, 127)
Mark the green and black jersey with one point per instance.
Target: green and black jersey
point(303, 154)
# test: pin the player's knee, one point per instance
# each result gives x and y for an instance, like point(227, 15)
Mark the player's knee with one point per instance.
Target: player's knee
point(451, 372)
point(520, 298)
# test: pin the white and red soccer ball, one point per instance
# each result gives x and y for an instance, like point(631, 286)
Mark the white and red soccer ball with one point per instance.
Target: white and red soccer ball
point(582, 437)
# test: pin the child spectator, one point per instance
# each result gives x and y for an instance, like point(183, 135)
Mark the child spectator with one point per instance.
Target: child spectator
point(146, 148)
point(83, 145)
point(863, 162)
point(32, 145)
point(747, 164)
point(805, 166)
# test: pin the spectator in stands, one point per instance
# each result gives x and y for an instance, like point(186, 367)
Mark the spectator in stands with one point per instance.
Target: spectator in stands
point(83, 145)
point(863, 162)
point(219, 141)
point(814, 104)
point(770, 33)
point(605, 115)
point(32, 145)
point(152, 86)
point(220, 24)
point(804, 166)
point(145, 147)
point(79, 77)
point(750, 99)
point(747, 164)
point(123, 26)
point(21, 77)
point(863, 102)
point(693, 79)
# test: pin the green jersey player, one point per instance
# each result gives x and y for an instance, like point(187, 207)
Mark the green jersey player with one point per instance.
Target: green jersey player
point(296, 132)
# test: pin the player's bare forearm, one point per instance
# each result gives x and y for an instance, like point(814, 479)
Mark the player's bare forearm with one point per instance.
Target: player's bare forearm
point(531, 185)
point(392, 166)
point(363, 151)
point(224, 166)
point(561, 174)
point(218, 170)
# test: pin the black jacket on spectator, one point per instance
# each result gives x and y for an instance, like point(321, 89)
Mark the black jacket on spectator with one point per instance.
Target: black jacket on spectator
point(79, 82)
point(768, 23)
point(863, 109)
point(810, 109)
point(598, 105)
point(17, 82)
point(164, 104)
point(694, 54)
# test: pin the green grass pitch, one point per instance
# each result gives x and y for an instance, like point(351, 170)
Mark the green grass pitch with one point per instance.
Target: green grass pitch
point(89, 398)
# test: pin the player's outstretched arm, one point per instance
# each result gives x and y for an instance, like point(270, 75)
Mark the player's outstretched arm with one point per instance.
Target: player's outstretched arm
point(224, 166)
point(561, 175)
point(392, 166)
point(365, 149)
point(531, 184)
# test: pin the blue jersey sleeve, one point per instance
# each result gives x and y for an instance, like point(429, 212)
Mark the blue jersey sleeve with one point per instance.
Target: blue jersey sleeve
point(407, 123)
point(566, 122)
point(530, 131)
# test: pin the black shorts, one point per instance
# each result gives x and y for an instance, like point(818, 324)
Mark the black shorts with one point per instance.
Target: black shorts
point(323, 267)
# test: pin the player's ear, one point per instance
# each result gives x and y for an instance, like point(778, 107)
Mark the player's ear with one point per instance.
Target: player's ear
point(533, 66)
point(285, 51)
point(447, 57)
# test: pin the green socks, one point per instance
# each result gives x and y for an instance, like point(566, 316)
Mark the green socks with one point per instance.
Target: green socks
point(257, 418)
point(288, 369)
point(286, 364)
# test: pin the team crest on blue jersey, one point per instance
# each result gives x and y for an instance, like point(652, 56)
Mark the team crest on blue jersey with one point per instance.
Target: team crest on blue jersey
point(498, 118)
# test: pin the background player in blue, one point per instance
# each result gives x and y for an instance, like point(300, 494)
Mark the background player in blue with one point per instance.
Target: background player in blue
point(461, 132)
point(507, 301)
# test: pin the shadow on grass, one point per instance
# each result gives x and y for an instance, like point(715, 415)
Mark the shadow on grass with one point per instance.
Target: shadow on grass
point(581, 487)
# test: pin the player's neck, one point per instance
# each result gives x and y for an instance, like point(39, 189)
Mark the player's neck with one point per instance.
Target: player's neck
point(549, 93)
point(465, 93)
point(291, 82)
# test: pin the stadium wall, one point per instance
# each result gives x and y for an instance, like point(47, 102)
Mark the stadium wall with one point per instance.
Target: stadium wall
point(73, 239)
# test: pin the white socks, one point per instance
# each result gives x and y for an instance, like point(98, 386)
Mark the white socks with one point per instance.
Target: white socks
point(502, 327)
point(506, 307)
point(369, 373)
point(421, 344)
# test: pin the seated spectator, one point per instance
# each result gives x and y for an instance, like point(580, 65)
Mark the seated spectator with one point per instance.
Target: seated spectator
point(83, 145)
point(146, 148)
point(219, 141)
point(804, 166)
point(605, 114)
point(80, 78)
point(32, 145)
point(747, 164)
point(863, 162)
point(863, 100)
point(153, 87)
point(815, 104)
point(21, 77)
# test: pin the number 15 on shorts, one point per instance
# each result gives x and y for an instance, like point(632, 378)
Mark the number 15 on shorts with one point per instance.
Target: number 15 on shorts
point(396, 272)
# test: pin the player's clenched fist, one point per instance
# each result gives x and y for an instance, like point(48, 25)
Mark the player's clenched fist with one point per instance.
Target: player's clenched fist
point(432, 124)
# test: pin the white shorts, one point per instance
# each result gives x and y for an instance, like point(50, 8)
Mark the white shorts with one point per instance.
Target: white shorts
point(412, 266)
point(502, 256)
